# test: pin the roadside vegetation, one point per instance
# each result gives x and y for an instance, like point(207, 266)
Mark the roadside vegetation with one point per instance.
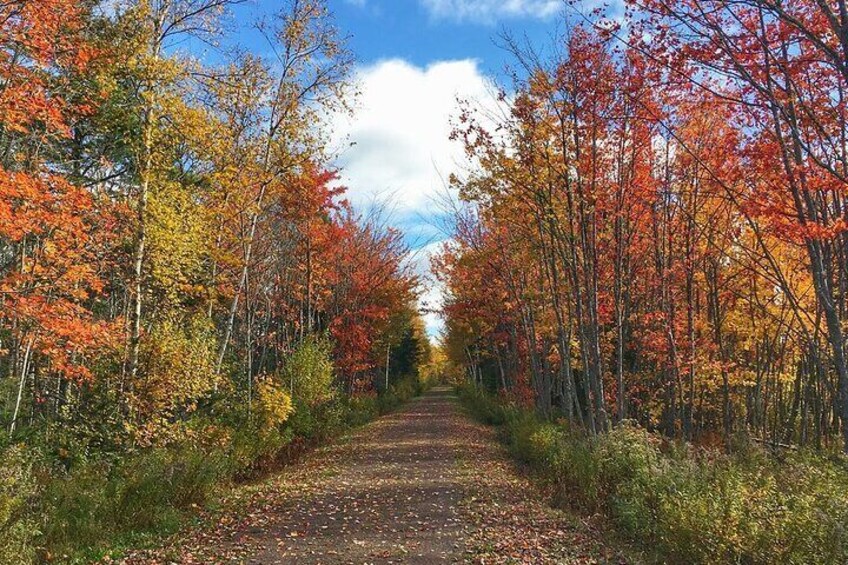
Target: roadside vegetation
point(75, 511)
point(679, 503)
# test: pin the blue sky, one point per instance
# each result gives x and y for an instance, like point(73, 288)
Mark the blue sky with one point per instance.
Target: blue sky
point(421, 34)
point(423, 31)
point(414, 59)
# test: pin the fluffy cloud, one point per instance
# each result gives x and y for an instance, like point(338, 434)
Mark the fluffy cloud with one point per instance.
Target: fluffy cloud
point(396, 150)
point(396, 147)
point(488, 11)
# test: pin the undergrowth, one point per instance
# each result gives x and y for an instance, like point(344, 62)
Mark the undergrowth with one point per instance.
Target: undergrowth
point(679, 503)
point(53, 513)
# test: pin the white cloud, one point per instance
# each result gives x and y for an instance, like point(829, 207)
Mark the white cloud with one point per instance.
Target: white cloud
point(489, 11)
point(396, 150)
point(396, 147)
point(431, 299)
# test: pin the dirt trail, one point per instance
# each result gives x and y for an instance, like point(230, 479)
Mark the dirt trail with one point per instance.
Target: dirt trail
point(423, 485)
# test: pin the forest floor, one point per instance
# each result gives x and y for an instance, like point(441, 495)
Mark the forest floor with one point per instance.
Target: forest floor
point(423, 485)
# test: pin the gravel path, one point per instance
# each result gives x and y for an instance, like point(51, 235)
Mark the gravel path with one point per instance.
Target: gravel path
point(423, 485)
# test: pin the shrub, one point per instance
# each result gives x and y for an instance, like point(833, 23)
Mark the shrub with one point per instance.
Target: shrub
point(482, 406)
point(362, 408)
point(147, 492)
point(527, 437)
point(308, 372)
point(250, 452)
point(399, 392)
point(304, 421)
point(17, 526)
point(178, 365)
point(273, 405)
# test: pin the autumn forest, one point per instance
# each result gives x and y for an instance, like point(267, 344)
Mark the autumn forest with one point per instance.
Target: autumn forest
point(665, 208)
point(643, 290)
